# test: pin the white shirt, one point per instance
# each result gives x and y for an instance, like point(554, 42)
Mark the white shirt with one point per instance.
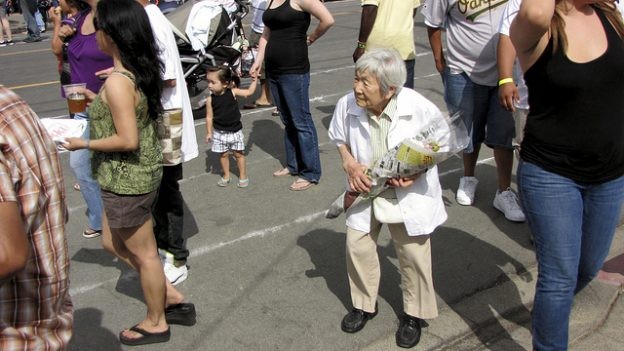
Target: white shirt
point(259, 6)
point(421, 203)
point(175, 97)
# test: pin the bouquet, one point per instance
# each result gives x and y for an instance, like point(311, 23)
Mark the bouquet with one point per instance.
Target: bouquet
point(442, 137)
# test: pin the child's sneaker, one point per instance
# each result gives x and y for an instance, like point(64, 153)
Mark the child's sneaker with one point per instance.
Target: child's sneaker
point(3, 43)
point(243, 183)
point(9, 42)
point(223, 182)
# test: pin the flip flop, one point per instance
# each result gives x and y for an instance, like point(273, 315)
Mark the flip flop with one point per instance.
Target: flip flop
point(91, 233)
point(145, 338)
point(281, 172)
point(249, 106)
point(263, 105)
point(300, 185)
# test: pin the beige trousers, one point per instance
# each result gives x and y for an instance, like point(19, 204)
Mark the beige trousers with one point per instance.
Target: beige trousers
point(414, 253)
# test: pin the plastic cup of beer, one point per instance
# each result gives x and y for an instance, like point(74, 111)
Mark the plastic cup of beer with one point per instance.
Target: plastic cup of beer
point(76, 99)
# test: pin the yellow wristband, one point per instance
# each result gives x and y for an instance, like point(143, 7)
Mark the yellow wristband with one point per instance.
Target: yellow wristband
point(361, 45)
point(505, 81)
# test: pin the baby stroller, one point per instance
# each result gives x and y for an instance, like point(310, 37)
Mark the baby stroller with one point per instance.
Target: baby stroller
point(208, 33)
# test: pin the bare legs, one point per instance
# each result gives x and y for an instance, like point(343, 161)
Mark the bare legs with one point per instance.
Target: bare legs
point(224, 160)
point(137, 247)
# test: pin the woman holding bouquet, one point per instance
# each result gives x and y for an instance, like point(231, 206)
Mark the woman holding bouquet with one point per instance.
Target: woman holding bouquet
point(376, 116)
point(571, 174)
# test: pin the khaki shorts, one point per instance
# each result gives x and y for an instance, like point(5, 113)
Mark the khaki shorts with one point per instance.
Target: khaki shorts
point(127, 211)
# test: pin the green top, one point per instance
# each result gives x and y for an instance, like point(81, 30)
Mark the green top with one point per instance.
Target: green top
point(132, 172)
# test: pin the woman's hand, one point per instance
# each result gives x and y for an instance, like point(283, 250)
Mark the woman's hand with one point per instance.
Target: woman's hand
point(358, 180)
point(254, 71)
point(404, 182)
point(66, 31)
point(72, 144)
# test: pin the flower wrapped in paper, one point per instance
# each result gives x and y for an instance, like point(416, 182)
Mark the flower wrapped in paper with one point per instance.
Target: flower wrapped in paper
point(442, 137)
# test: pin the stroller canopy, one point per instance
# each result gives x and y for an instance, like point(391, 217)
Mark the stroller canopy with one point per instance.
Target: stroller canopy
point(196, 21)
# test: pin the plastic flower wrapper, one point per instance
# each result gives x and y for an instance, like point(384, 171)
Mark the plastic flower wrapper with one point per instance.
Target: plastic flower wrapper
point(442, 137)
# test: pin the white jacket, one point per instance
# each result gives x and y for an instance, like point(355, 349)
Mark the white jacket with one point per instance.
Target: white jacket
point(421, 203)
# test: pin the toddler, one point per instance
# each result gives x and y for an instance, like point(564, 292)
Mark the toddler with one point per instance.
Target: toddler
point(223, 121)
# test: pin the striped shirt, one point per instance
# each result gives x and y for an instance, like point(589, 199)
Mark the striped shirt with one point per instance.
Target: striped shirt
point(35, 306)
point(379, 128)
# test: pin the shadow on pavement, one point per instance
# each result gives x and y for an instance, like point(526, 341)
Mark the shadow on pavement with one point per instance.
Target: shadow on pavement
point(89, 333)
point(464, 265)
point(128, 282)
point(268, 135)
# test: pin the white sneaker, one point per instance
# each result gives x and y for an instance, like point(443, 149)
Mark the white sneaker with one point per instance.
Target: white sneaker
point(175, 275)
point(466, 190)
point(507, 202)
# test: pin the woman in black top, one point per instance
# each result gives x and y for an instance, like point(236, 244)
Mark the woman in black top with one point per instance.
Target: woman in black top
point(571, 176)
point(284, 46)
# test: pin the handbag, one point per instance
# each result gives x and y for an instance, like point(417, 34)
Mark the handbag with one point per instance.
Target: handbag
point(169, 128)
point(386, 208)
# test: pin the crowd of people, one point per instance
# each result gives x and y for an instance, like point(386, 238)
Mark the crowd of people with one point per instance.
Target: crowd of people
point(560, 120)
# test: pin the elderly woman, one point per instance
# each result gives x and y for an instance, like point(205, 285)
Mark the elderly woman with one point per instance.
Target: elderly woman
point(376, 116)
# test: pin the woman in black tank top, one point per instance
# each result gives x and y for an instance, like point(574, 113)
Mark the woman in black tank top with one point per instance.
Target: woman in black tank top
point(284, 47)
point(571, 178)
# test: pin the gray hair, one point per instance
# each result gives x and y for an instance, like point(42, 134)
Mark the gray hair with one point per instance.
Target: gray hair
point(386, 65)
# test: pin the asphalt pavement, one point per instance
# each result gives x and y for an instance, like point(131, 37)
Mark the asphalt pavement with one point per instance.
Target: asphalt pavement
point(267, 270)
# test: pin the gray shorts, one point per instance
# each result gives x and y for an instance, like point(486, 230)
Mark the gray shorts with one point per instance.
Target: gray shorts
point(127, 211)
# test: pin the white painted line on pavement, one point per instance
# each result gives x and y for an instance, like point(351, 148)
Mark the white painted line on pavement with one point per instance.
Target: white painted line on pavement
point(209, 248)
point(251, 235)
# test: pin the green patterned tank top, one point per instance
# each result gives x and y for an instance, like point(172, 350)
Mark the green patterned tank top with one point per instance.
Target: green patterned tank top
point(130, 172)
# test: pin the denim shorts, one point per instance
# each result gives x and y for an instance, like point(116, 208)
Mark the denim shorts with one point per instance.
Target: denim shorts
point(486, 120)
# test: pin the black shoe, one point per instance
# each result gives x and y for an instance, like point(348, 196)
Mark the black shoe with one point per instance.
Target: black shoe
point(355, 320)
point(408, 334)
point(182, 314)
point(31, 39)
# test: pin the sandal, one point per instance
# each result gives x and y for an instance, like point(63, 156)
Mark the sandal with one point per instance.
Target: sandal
point(281, 172)
point(91, 233)
point(145, 338)
point(223, 182)
point(243, 183)
point(181, 313)
point(300, 184)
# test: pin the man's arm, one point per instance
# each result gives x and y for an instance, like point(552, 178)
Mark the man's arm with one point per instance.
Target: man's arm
point(506, 55)
point(13, 240)
point(435, 41)
point(367, 20)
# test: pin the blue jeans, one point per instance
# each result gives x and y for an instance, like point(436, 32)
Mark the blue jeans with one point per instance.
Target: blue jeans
point(29, 18)
point(291, 96)
point(486, 120)
point(80, 162)
point(573, 225)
